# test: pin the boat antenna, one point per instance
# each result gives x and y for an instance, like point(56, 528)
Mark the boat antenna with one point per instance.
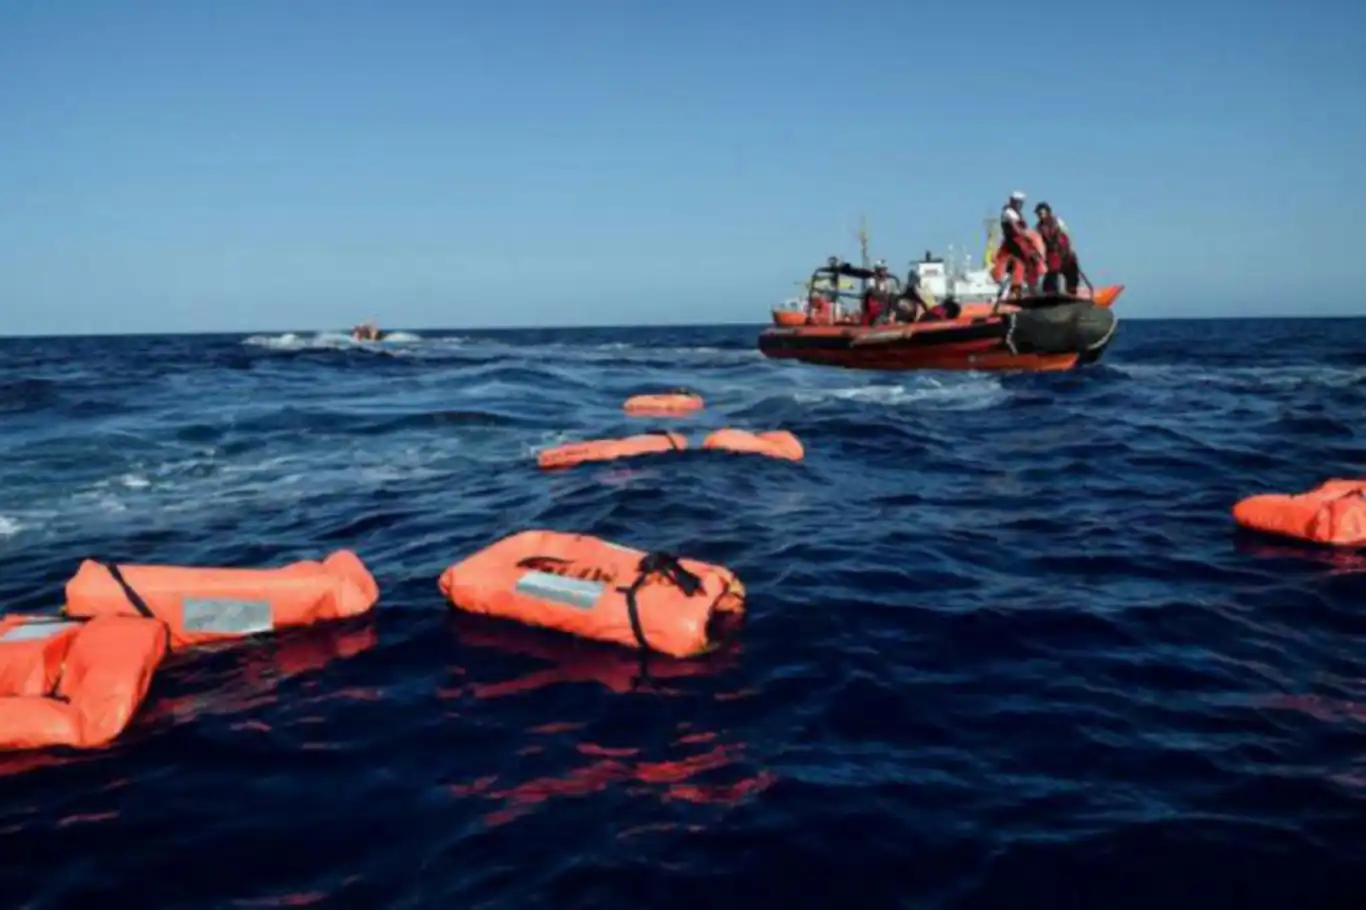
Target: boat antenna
point(863, 248)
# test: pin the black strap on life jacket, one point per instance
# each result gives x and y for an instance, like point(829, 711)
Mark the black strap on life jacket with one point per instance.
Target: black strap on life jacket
point(667, 567)
point(667, 435)
point(134, 597)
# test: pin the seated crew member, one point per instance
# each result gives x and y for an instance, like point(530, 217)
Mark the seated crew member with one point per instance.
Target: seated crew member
point(910, 305)
point(819, 310)
point(877, 297)
point(916, 304)
point(921, 309)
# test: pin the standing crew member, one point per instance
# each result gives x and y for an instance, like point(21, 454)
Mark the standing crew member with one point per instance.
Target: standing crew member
point(1017, 253)
point(1060, 258)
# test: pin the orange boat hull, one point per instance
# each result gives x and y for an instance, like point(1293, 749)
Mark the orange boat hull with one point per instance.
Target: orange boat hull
point(1012, 340)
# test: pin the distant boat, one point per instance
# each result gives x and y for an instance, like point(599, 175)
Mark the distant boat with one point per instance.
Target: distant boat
point(367, 331)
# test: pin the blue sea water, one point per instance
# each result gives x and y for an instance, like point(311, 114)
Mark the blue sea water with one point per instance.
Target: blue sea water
point(1005, 648)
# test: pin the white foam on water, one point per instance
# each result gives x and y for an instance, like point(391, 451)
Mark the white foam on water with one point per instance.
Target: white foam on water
point(329, 341)
point(1276, 376)
point(548, 439)
point(286, 342)
point(968, 394)
point(208, 482)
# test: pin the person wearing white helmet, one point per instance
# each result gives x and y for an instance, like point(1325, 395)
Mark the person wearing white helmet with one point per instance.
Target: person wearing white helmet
point(878, 294)
point(1012, 215)
point(1017, 254)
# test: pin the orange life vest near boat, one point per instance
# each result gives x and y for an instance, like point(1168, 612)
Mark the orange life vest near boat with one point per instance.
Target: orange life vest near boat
point(666, 405)
point(774, 443)
point(74, 683)
point(209, 604)
point(1333, 513)
point(576, 453)
point(599, 590)
point(1022, 258)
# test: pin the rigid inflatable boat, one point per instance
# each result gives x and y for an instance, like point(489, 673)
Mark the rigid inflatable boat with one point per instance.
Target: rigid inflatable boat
point(1039, 333)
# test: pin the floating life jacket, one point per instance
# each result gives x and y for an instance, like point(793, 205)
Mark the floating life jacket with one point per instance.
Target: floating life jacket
point(576, 453)
point(209, 604)
point(1333, 513)
point(599, 590)
point(774, 443)
point(668, 404)
point(76, 683)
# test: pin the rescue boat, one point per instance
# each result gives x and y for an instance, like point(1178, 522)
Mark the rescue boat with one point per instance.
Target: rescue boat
point(1043, 334)
point(834, 291)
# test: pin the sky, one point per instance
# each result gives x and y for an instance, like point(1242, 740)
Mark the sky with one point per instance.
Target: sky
point(265, 165)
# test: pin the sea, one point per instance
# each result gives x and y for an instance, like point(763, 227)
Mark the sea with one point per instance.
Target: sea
point(1005, 646)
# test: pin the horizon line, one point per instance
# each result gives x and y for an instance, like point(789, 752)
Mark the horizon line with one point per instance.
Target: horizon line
point(588, 326)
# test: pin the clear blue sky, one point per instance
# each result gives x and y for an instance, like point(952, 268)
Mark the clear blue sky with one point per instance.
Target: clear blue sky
point(264, 164)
